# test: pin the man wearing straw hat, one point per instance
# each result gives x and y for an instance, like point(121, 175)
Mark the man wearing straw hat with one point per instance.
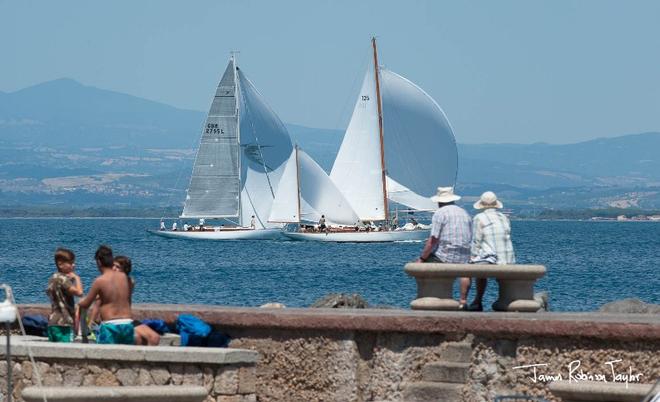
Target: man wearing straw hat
point(451, 233)
point(491, 241)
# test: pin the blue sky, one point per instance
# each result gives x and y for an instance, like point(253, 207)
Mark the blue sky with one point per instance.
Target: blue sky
point(503, 71)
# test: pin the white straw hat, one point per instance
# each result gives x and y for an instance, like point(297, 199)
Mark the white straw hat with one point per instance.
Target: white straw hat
point(488, 200)
point(445, 194)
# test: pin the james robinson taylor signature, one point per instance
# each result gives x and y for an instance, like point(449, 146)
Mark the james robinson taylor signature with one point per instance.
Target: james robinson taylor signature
point(575, 373)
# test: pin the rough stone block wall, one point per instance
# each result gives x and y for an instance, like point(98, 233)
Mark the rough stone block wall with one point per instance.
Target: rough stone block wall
point(346, 366)
point(363, 366)
point(492, 373)
point(231, 383)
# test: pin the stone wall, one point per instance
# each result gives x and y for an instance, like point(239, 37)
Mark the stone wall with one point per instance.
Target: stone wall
point(354, 366)
point(492, 362)
point(227, 384)
point(228, 375)
point(381, 355)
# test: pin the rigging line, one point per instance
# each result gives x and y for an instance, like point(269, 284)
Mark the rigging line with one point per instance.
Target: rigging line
point(261, 154)
point(256, 214)
point(35, 368)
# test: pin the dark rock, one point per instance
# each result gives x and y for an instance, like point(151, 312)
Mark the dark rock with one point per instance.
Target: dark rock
point(630, 306)
point(340, 300)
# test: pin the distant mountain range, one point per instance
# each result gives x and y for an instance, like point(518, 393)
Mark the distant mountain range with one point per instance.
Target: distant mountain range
point(62, 142)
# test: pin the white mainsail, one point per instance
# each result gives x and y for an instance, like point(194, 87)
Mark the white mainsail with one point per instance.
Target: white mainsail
point(306, 192)
point(357, 169)
point(214, 184)
point(242, 154)
point(419, 148)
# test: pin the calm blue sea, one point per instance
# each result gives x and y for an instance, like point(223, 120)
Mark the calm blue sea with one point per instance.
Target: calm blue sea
point(589, 263)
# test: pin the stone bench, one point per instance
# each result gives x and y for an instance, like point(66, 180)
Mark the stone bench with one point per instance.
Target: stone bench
point(173, 393)
point(435, 284)
point(586, 391)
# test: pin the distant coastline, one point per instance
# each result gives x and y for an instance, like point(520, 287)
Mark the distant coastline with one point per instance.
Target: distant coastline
point(56, 212)
point(88, 212)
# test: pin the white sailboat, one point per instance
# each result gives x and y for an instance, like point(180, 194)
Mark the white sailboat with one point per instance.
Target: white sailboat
point(399, 147)
point(304, 190)
point(243, 151)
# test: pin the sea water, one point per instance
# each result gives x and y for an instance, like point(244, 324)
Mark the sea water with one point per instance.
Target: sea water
point(588, 263)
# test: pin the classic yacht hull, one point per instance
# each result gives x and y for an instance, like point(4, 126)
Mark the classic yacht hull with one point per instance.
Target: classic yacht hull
point(361, 237)
point(222, 234)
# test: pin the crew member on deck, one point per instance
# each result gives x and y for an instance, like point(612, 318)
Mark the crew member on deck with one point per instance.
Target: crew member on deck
point(322, 226)
point(253, 223)
point(174, 226)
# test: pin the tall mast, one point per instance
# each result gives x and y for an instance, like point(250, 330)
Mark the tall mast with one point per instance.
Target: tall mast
point(298, 182)
point(380, 130)
point(238, 137)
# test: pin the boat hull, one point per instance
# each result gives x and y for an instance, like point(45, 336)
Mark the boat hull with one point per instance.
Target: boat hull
point(244, 234)
point(361, 237)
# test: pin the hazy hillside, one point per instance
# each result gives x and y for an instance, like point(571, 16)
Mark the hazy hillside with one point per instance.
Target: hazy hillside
point(66, 113)
point(630, 155)
point(63, 142)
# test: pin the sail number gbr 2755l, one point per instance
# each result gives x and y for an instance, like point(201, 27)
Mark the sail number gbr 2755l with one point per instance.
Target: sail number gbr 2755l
point(213, 128)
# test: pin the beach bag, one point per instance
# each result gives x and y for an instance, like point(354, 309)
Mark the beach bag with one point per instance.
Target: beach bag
point(157, 325)
point(193, 331)
point(36, 325)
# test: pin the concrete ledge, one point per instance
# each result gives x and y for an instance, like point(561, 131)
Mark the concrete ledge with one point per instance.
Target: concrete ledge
point(129, 353)
point(599, 391)
point(174, 393)
point(589, 324)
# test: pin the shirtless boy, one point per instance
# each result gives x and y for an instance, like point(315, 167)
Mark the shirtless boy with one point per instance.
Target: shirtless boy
point(113, 289)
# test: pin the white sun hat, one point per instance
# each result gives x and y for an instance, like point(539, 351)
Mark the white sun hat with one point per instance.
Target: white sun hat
point(445, 194)
point(488, 200)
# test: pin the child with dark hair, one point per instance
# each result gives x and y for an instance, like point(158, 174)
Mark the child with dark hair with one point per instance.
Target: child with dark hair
point(144, 335)
point(63, 285)
point(113, 290)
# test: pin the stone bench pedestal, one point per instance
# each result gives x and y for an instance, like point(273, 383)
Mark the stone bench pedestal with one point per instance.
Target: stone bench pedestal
point(435, 284)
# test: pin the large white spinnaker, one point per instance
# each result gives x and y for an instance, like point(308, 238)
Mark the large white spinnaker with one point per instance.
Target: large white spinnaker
point(215, 181)
point(307, 190)
point(357, 170)
point(265, 147)
point(402, 195)
point(420, 148)
point(419, 144)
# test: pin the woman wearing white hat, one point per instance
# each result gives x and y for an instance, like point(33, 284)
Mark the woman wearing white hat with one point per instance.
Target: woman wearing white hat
point(491, 241)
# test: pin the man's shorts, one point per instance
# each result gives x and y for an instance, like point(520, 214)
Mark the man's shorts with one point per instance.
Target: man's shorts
point(117, 332)
point(59, 333)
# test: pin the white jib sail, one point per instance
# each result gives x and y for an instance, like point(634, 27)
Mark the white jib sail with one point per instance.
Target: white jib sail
point(285, 206)
point(318, 195)
point(420, 148)
point(265, 147)
point(214, 184)
point(357, 170)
